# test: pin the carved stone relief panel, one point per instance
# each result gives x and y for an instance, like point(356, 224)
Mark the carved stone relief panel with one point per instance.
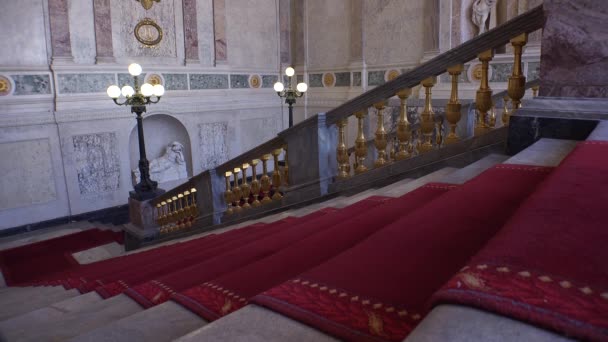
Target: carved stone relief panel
point(97, 163)
point(27, 173)
point(213, 144)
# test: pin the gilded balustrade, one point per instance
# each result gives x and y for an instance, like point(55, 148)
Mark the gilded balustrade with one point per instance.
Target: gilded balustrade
point(404, 132)
point(380, 140)
point(177, 212)
point(453, 108)
point(427, 117)
point(483, 98)
point(517, 81)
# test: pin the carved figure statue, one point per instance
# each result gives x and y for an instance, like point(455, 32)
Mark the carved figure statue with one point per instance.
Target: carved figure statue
point(481, 12)
point(168, 167)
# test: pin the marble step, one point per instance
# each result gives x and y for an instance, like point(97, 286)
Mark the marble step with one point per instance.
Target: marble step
point(103, 252)
point(18, 304)
point(43, 234)
point(68, 319)
point(473, 170)
point(403, 189)
point(600, 132)
point(545, 152)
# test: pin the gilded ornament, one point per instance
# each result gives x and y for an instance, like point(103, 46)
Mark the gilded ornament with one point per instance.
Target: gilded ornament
point(360, 144)
point(392, 74)
point(329, 79)
point(154, 79)
point(476, 72)
point(147, 4)
point(427, 118)
point(5, 86)
point(255, 81)
point(148, 32)
point(453, 107)
point(517, 81)
point(380, 140)
point(483, 98)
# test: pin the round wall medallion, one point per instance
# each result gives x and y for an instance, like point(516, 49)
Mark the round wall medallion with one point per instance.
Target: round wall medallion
point(147, 4)
point(148, 32)
point(255, 81)
point(392, 74)
point(329, 79)
point(475, 71)
point(5, 86)
point(154, 79)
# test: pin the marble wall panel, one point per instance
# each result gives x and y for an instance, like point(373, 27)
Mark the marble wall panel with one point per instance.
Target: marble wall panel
point(258, 131)
point(206, 43)
point(315, 80)
point(299, 27)
point(356, 79)
point(501, 72)
point(239, 81)
point(31, 84)
point(268, 81)
point(190, 29)
point(82, 34)
point(246, 23)
point(533, 70)
point(219, 27)
point(176, 81)
point(342, 79)
point(103, 29)
point(208, 81)
point(328, 26)
point(375, 78)
point(60, 28)
point(125, 78)
point(393, 31)
point(128, 14)
point(19, 19)
point(97, 163)
point(84, 83)
point(27, 173)
point(213, 144)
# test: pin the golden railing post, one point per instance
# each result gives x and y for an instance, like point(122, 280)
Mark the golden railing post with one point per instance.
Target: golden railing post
point(535, 90)
point(265, 180)
point(492, 118)
point(175, 215)
point(181, 212)
point(427, 118)
point(245, 189)
point(342, 150)
point(193, 206)
point(228, 194)
point(453, 108)
point(158, 214)
point(188, 209)
point(483, 99)
point(255, 184)
point(360, 144)
point(505, 111)
point(517, 81)
point(380, 136)
point(404, 132)
point(163, 218)
point(236, 190)
point(276, 175)
point(286, 167)
point(169, 214)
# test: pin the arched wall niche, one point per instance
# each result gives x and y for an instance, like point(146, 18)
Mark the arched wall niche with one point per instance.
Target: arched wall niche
point(159, 131)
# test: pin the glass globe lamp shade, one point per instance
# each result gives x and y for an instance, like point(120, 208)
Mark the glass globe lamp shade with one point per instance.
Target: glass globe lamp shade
point(147, 89)
point(113, 91)
point(289, 71)
point(302, 87)
point(134, 69)
point(127, 91)
point(278, 87)
point(158, 90)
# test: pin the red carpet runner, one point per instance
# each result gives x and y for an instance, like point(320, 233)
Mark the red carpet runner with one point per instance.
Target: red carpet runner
point(377, 290)
point(549, 264)
point(29, 263)
point(159, 290)
point(231, 291)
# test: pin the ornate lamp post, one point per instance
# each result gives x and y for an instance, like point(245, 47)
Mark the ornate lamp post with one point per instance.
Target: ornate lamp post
point(290, 94)
point(137, 98)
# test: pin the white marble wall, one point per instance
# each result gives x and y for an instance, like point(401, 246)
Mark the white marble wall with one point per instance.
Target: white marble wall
point(327, 33)
point(23, 29)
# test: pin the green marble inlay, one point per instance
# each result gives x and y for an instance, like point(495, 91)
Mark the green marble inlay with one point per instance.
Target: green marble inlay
point(124, 79)
point(176, 81)
point(300, 78)
point(501, 72)
point(208, 81)
point(356, 79)
point(268, 81)
point(239, 81)
point(315, 80)
point(533, 71)
point(342, 79)
point(84, 83)
point(31, 84)
point(375, 78)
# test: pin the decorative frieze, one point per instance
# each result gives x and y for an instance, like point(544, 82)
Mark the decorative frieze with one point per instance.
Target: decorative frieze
point(239, 81)
point(342, 79)
point(268, 81)
point(208, 81)
point(97, 163)
point(176, 81)
point(375, 78)
point(315, 80)
point(32, 84)
point(84, 83)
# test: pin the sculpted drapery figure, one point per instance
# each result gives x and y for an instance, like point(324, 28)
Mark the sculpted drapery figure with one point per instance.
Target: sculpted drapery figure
point(481, 12)
point(168, 167)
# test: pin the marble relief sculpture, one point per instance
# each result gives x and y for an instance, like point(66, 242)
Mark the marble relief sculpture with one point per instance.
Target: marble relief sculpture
point(168, 167)
point(481, 12)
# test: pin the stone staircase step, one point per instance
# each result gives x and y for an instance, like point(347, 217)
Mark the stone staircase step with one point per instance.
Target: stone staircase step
point(600, 132)
point(436, 176)
point(472, 170)
point(18, 304)
point(164, 322)
point(55, 323)
point(99, 253)
point(545, 152)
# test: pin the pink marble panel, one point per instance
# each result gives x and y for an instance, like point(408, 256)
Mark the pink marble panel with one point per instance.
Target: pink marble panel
point(300, 47)
point(219, 27)
point(574, 55)
point(356, 31)
point(284, 26)
point(431, 25)
point(60, 28)
point(190, 29)
point(103, 28)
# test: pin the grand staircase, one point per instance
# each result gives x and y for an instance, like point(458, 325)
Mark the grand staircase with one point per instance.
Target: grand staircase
point(445, 241)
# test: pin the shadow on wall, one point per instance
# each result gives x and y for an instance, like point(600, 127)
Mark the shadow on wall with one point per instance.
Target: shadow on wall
point(161, 130)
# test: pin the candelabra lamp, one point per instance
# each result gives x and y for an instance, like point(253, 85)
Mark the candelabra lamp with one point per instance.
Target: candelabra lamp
point(137, 98)
point(290, 95)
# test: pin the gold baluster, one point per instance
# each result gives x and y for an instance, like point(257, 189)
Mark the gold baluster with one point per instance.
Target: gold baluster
point(163, 218)
point(427, 118)
point(404, 132)
point(193, 206)
point(483, 98)
point(276, 175)
point(517, 81)
point(175, 216)
point(286, 168)
point(439, 132)
point(380, 136)
point(360, 144)
point(228, 196)
point(505, 111)
point(236, 191)
point(265, 180)
point(180, 212)
point(187, 210)
point(492, 119)
point(342, 150)
point(255, 184)
point(453, 108)
point(158, 214)
point(169, 215)
point(245, 189)
point(535, 90)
